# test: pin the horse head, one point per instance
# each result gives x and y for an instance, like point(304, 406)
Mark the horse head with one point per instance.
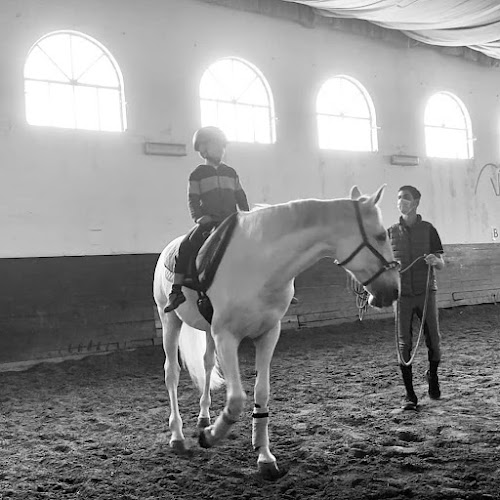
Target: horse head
point(366, 252)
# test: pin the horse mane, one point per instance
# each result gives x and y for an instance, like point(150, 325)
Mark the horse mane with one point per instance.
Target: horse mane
point(259, 206)
point(298, 201)
point(294, 215)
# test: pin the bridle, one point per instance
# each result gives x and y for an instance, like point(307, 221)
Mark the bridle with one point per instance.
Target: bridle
point(386, 266)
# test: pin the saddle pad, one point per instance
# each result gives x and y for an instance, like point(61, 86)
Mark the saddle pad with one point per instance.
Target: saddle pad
point(203, 265)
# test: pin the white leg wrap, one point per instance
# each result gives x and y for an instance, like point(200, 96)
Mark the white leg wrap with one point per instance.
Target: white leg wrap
point(260, 435)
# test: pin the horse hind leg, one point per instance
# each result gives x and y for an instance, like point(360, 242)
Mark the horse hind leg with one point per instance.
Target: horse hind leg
point(227, 351)
point(264, 349)
point(171, 326)
point(209, 364)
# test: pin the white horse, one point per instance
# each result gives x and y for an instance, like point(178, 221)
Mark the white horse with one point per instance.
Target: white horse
point(251, 293)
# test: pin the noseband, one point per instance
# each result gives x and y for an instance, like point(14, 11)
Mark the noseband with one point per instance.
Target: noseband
point(386, 266)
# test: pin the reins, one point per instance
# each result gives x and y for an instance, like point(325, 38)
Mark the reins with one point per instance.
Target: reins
point(412, 264)
point(362, 296)
point(422, 321)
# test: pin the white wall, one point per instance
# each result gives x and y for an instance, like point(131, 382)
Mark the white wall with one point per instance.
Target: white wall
point(65, 192)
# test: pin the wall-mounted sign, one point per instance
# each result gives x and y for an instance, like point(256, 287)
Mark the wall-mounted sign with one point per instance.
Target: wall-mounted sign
point(495, 234)
point(164, 149)
point(405, 160)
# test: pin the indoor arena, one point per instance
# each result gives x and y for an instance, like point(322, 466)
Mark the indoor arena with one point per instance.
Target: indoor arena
point(249, 249)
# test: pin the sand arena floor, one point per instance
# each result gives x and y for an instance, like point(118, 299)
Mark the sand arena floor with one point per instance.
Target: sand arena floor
point(98, 428)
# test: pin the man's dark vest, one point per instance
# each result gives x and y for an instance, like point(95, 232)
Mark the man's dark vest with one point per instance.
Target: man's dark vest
point(408, 243)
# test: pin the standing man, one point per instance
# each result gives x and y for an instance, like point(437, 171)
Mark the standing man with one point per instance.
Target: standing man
point(412, 238)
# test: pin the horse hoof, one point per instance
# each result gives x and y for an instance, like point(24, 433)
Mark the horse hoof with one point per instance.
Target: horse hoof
point(203, 422)
point(178, 447)
point(269, 471)
point(203, 440)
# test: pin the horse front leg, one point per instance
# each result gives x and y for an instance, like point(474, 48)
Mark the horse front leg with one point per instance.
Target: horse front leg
point(171, 327)
point(264, 349)
point(209, 364)
point(227, 352)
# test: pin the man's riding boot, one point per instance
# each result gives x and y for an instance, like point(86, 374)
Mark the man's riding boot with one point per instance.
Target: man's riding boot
point(411, 400)
point(175, 299)
point(433, 380)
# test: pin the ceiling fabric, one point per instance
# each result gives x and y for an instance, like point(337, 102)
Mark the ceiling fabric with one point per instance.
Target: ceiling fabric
point(453, 23)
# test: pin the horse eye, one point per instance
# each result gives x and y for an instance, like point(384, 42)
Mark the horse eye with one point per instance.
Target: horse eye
point(381, 236)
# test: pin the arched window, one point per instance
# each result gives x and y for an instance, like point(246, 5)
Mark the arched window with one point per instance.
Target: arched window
point(346, 116)
point(448, 131)
point(72, 81)
point(235, 96)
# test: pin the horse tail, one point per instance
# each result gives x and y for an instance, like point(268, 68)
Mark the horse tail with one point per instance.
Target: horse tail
point(192, 346)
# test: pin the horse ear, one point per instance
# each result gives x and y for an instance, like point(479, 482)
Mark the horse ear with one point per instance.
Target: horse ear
point(355, 193)
point(378, 195)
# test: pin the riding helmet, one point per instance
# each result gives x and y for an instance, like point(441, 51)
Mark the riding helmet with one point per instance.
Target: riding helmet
point(205, 134)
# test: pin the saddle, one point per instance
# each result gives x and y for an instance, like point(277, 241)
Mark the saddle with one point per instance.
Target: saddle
point(203, 264)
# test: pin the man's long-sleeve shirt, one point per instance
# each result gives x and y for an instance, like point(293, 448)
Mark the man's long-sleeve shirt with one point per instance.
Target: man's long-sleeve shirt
point(215, 191)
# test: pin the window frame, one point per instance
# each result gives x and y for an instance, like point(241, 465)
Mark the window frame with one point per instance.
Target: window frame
point(72, 83)
point(371, 120)
point(469, 138)
point(271, 115)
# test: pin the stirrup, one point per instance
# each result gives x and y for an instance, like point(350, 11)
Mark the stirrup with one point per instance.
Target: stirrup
point(175, 299)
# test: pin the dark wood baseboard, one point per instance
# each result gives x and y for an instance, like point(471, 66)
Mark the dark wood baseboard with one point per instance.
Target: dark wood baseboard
point(71, 306)
point(59, 306)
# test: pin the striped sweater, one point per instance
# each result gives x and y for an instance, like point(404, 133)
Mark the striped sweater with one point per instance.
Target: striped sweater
point(215, 191)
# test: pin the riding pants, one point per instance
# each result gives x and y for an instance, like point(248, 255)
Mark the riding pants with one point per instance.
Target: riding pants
point(191, 243)
point(407, 307)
